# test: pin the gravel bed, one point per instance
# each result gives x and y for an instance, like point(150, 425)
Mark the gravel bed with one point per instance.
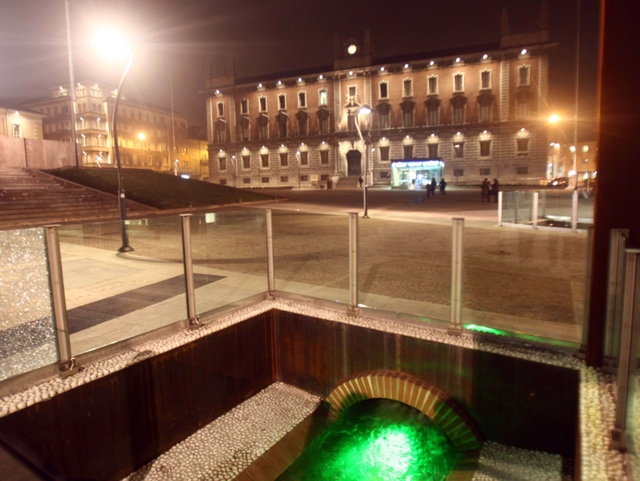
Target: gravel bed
point(597, 405)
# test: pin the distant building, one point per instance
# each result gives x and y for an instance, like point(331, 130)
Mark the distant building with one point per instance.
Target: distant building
point(146, 135)
point(20, 122)
point(561, 161)
point(464, 114)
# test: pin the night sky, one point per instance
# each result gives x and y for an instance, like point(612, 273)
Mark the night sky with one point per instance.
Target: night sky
point(267, 36)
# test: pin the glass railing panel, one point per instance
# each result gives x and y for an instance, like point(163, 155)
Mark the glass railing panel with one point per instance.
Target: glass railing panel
point(27, 327)
point(632, 420)
point(529, 281)
point(311, 254)
point(406, 267)
point(112, 296)
point(509, 207)
point(229, 257)
point(555, 208)
point(586, 201)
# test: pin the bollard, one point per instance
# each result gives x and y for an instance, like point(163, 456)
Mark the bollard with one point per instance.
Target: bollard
point(574, 211)
point(534, 209)
point(457, 254)
point(500, 209)
point(187, 260)
point(271, 277)
point(353, 309)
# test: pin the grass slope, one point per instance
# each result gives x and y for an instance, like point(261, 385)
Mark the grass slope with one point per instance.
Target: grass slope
point(162, 191)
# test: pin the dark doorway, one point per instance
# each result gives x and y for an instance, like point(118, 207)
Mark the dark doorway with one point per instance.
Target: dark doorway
point(353, 163)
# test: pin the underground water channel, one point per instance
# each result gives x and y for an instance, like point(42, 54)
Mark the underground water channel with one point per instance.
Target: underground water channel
point(377, 439)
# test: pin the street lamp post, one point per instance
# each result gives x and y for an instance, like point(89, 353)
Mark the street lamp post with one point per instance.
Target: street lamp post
point(72, 86)
point(112, 45)
point(299, 162)
point(364, 110)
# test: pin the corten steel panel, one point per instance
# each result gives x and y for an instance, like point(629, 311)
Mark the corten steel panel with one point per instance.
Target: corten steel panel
point(513, 401)
point(105, 429)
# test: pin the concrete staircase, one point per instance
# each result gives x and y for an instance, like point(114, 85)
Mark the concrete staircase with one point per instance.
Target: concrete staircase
point(348, 182)
point(32, 198)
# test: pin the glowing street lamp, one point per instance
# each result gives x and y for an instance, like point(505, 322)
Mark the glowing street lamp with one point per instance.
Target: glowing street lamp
point(554, 119)
point(141, 136)
point(365, 110)
point(112, 45)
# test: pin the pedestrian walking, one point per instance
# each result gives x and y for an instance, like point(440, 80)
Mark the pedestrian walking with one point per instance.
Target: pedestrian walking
point(495, 188)
point(484, 190)
point(427, 186)
point(432, 186)
point(443, 186)
point(360, 182)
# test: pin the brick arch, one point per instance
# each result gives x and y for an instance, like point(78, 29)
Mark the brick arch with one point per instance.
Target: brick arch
point(415, 392)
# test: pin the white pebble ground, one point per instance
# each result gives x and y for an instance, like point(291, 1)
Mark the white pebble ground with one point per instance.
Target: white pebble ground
point(597, 407)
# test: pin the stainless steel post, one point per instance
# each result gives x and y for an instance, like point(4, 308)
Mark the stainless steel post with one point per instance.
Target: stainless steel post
point(628, 346)
point(271, 277)
point(534, 209)
point(66, 362)
point(187, 260)
point(615, 285)
point(587, 293)
point(353, 309)
point(500, 208)
point(457, 253)
point(574, 211)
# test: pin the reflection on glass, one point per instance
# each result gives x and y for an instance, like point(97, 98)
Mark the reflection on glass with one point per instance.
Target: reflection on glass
point(229, 257)
point(525, 280)
point(27, 328)
point(311, 254)
point(406, 267)
point(112, 296)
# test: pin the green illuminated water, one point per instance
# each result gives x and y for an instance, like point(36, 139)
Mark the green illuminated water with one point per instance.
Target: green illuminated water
point(377, 440)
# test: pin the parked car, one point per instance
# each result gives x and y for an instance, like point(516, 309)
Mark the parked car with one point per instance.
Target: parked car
point(558, 182)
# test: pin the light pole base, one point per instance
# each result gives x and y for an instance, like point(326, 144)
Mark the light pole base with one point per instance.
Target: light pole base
point(365, 216)
point(126, 248)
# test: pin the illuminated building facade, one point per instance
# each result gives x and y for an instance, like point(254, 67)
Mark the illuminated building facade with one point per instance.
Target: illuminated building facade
point(22, 123)
point(145, 132)
point(464, 114)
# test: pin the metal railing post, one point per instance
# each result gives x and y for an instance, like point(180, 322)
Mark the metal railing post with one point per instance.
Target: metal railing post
point(500, 208)
point(457, 253)
point(615, 285)
point(353, 309)
point(587, 294)
point(628, 346)
point(187, 260)
point(574, 211)
point(534, 209)
point(271, 276)
point(66, 362)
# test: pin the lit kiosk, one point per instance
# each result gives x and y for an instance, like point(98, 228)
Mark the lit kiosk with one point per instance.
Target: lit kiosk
point(415, 172)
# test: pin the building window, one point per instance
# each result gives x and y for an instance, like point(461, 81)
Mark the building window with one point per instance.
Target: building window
point(282, 101)
point(384, 154)
point(304, 158)
point(263, 104)
point(304, 178)
point(302, 100)
point(245, 131)
point(407, 119)
point(353, 91)
point(351, 122)
point(284, 159)
point(433, 151)
point(220, 109)
point(458, 172)
point(324, 126)
point(485, 79)
point(383, 120)
point(246, 162)
point(523, 75)
point(322, 94)
point(522, 110)
point(407, 88)
point(384, 90)
point(264, 130)
point(324, 177)
point(282, 129)
point(458, 150)
point(221, 134)
point(458, 82)
point(408, 151)
point(432, 117)
point(485, 171)
point(458, 115)
point(523, 170)
point(324, 156)
point(16, 130)
point(485, 113)
point(523, 146)
point(184, 165)
point(246, 180)
point(244, 106)
point(485, 148)
point(223, 181)
point(433, 85)
point(265, 180)
point(264, 160)
point(223, 163)
point(302, 126)
point(284, 178)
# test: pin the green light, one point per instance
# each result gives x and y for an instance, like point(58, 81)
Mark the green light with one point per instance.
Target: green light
point(489, 330)
point(374, 440)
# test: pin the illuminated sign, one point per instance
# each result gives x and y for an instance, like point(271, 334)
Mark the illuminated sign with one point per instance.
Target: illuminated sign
point(418, 163)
